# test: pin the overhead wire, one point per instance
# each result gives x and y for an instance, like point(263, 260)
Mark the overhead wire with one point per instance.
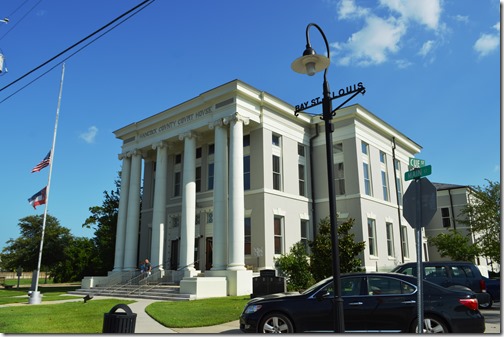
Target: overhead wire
point(146, 3)
point(77, 51)
point(22, 18)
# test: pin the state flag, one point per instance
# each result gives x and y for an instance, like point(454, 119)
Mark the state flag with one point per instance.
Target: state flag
point(38, 198)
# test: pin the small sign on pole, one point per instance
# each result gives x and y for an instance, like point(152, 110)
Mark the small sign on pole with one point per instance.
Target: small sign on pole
point(418, 172)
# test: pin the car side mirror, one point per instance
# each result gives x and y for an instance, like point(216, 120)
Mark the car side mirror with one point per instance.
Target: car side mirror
point(322, 295)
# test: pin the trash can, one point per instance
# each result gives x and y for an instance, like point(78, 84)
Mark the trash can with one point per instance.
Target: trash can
point(119, 322)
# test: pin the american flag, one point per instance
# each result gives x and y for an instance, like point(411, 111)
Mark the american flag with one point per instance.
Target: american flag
point(45, 162)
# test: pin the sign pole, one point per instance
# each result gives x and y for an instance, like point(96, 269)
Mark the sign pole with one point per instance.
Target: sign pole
point(418, 230)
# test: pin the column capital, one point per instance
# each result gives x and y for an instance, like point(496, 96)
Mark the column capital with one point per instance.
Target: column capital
point(188, 134)
point(236, 117)
point(123, 155)
point(217, 123)
point(161, 145)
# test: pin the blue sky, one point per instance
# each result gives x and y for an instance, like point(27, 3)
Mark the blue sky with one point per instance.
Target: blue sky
point(431, 69)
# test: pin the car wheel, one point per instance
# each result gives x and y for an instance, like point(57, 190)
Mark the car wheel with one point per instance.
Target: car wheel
point(487, 305)
point(276, 323)
point(431, 325)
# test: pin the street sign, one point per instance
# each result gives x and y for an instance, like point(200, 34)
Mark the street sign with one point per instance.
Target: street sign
point(416, 162)
point(420, 194)
point(418, 173)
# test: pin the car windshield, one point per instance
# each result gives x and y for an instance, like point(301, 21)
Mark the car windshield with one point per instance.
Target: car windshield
point(316, 285)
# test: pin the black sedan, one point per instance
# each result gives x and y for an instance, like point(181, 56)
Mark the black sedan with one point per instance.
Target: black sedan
point(379, 302)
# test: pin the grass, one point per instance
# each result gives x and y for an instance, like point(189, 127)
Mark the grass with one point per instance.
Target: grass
point(20, 295)
point(68, 318)
point(205, 312)
point(87, 318)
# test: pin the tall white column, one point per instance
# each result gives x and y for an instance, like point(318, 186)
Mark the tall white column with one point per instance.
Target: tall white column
point(159, 207)
point(220, 193)
point(121, 216)
point(133, 214)
point(236, 259)
point(188, 221)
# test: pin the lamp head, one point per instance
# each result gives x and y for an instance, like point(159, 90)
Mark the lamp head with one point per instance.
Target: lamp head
point(310, 63)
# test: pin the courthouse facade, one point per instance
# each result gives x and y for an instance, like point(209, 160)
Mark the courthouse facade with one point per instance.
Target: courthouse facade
point(224, 183)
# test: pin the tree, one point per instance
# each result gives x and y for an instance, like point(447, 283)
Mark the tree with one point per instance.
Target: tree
point(321, 247)
point(24, 251)
point(483, 217)
point(295, 267)
point(104, 220)
point(78, 262)
point(455, 245)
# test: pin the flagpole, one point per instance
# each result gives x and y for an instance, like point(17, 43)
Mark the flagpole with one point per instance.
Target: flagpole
point(35, 297)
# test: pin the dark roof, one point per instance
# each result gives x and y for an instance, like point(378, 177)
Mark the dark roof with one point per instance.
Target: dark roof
point(443, 186)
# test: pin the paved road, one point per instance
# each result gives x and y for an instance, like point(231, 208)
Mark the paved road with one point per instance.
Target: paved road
point(493, 319)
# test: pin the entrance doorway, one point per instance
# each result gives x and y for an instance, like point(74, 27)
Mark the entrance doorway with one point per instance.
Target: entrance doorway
point(209, 253)
point(174, 255)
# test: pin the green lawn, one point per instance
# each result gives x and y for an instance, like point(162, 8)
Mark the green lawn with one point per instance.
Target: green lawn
point(87, 318)
point(68, 318)
point(205, 312)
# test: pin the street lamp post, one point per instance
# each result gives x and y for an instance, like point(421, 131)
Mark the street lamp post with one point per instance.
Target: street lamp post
point(310, 63)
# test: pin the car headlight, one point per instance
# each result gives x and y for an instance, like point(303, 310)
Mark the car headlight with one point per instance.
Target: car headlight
point(252, 308)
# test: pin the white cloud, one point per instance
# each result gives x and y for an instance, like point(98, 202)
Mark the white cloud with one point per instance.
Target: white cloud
point(426, 12)
point(426, 48)
point(374, 42)
point(462, 18)
point(348, 9)
point(497, 26)
point(486, 44)
point(90, 135)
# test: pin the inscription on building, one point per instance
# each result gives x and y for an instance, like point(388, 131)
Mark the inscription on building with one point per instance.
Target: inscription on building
point(176, 122)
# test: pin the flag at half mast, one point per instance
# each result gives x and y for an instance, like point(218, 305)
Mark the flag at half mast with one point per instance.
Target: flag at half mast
point(45, 162)
point(38, 198)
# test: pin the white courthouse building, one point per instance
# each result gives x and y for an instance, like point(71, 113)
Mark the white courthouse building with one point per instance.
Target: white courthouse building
point(222, 184)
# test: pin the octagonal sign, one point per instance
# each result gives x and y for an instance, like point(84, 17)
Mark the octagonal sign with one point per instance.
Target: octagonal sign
point(420, 193)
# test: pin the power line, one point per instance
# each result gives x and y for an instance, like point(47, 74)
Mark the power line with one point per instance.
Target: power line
point(77, 51)
point(76, 44)
point(19, 21)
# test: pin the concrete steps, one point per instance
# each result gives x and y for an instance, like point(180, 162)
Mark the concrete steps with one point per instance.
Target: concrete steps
point(164, 292)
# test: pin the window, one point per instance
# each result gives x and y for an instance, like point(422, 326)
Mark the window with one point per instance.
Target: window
point(339, 179)
point(278, 234)
point(198, 179)
point(275, 139)
point(277, 175)
point(178, 159)
point(390, 239)
point(388, 286)
point(246, 140)
point(248, 237)
point(210, 176)
point(302, 183)
point(365, 148)
point(301, 170)
point(304, 233)
point(246, 173)
point(372, 237)
point(404, 241)
point(366, 169)
point(397, 165)
point(176, 184)
point(198, 152)
point(367, 178)
point(384, 176)
point(211, 149)
point(445, 215)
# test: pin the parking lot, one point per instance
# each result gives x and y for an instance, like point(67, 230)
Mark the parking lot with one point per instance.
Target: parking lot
point(492, 319)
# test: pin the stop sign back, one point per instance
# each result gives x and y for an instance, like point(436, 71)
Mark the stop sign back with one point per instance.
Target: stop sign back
point(420, 193)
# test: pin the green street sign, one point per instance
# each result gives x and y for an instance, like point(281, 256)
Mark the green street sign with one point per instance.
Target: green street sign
point(418, 173)
point(415, 162)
